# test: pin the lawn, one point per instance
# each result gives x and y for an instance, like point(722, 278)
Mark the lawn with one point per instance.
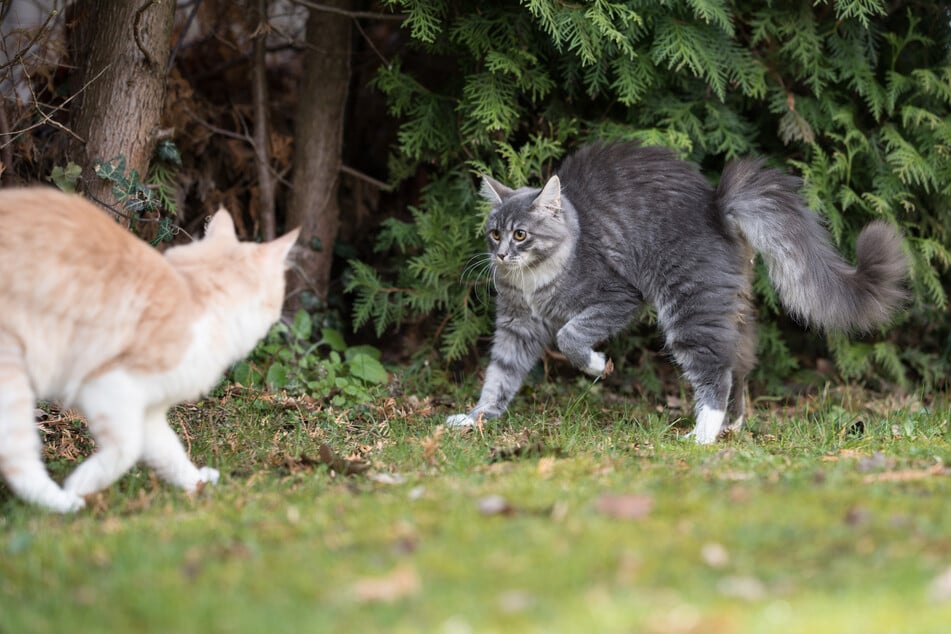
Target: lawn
point(579, 512)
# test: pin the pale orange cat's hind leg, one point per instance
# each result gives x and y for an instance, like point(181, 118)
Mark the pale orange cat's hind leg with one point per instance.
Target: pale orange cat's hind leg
point(163, 451)
point(113, 406)
point(21, 460)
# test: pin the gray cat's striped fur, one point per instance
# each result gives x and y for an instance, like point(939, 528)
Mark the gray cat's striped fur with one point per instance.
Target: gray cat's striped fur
point(621, 224)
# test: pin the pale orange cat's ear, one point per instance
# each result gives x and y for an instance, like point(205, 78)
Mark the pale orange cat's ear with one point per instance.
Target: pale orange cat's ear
point(221, 226)
point(281, 247)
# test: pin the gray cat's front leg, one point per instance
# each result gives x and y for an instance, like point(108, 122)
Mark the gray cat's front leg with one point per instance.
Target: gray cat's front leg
point(517, 347)
point(499, 388)
point(577, 338)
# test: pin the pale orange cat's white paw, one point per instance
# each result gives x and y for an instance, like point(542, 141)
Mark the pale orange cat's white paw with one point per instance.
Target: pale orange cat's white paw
point(208, 475)
point(65, 502)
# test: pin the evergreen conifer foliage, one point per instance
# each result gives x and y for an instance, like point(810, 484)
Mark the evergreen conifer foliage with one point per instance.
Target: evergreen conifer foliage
point(855, 95)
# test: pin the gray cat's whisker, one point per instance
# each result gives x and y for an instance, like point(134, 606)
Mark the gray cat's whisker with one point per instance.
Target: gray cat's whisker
point(477, 265)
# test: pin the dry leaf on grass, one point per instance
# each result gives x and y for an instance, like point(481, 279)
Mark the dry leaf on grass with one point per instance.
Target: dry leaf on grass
point(522, 447)
point(907, 475)
point(625, 507)
point(325, 456)
point(336, 462)
point(843, 454)
point(518, 450)
point(400, 583)
point(432, 446)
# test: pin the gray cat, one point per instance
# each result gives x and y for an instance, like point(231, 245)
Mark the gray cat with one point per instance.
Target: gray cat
point(621, 225)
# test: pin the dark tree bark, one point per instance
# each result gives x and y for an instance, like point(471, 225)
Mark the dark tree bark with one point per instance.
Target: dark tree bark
point(121, 48)
point(317, 149)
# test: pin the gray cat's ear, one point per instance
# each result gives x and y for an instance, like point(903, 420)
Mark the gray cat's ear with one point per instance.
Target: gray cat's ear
point(550, 198)
point(494, 191)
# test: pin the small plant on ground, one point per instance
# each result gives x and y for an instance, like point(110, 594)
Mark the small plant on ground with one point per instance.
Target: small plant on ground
point(299, 359)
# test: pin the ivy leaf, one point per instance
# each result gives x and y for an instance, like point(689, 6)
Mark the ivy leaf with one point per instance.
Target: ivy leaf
point(65, 178)
point(167, 151)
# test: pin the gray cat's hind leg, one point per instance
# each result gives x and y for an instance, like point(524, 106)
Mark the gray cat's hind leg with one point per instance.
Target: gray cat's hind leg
point(711, 394)
point(743, 364)
point(704, 345)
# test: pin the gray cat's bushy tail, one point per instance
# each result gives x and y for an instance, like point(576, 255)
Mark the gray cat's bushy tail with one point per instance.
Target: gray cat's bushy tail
point(814, 282)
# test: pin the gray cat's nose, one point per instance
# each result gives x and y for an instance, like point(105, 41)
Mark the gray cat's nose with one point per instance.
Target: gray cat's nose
point(501, 256)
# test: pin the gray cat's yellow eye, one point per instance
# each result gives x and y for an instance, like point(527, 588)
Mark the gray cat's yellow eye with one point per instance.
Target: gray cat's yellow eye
point(519, 235)
point(495, 235)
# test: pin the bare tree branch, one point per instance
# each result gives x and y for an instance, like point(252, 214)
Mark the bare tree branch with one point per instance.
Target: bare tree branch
point(181, 40)
point(356, 15)
point(45, 117)
point(6, 157)
point(386, 187)
point(18, 57)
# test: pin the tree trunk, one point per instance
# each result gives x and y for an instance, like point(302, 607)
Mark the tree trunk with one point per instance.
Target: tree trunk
point(317, 150)
point(262, 134)
point(121, 48)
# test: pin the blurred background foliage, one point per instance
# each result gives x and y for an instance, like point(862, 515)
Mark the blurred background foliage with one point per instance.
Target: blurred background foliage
point(853, 96)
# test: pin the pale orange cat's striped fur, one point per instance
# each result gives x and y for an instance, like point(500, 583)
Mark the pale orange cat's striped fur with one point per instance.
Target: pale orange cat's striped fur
point(94, 318)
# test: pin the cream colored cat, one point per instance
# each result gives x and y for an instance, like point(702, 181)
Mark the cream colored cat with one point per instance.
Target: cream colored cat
point(94, 318)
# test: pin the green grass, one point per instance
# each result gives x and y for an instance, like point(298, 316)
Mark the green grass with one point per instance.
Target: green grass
point(829, 515)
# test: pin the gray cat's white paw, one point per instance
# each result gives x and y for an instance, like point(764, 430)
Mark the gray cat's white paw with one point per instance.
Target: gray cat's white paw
point(208, 475)
point(460, 420)
point(709, 423)
point(597, 364)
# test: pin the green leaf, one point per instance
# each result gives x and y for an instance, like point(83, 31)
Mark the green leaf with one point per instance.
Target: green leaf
point(368, 369)
point(113, 170)
point(276, 376)
point(302, 325)
point(167, 151)
point(332, 338)
point(370, 351)
point(246, 374)
point(66, 178)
